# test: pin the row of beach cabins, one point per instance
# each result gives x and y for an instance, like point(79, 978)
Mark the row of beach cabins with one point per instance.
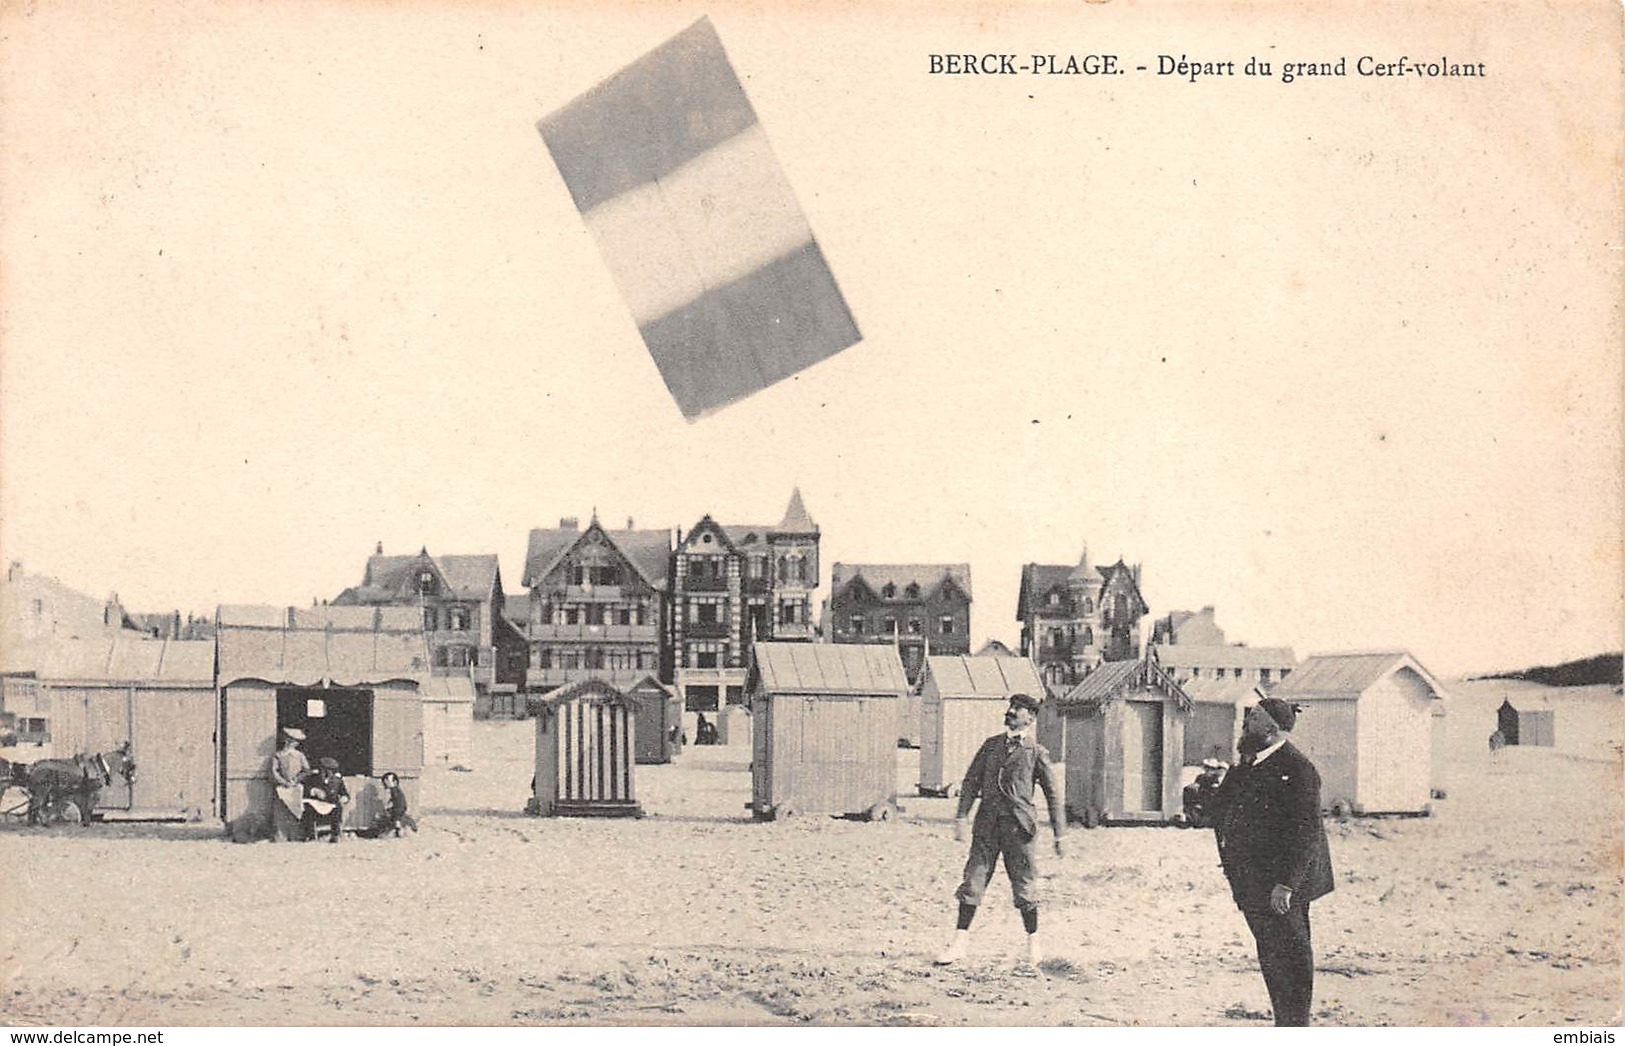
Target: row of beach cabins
point(822, 721)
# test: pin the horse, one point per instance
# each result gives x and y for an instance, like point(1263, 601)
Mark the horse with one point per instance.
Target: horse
point(80, 779)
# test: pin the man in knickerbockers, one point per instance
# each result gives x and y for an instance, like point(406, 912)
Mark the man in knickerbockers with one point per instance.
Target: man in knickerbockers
point(1003, 775)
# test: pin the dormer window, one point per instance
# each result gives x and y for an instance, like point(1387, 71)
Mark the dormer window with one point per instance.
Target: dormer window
point(426, 585)
point(1054, 599)
point(912, 591)
point(890, 591)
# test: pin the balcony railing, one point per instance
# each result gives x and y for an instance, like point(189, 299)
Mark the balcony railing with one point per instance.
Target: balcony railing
point(536, 678)
point(704, 583)
point(551, 633)
point(800, 631)
point(706, 629)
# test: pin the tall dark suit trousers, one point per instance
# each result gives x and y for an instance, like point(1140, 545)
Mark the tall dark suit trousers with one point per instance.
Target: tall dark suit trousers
point(1287, 959)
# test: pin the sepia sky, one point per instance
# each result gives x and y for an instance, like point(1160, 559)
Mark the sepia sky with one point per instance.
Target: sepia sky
point(1340, 357)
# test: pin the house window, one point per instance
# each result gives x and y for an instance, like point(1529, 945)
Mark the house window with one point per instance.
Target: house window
point(595, 613)
point(1088, 605)
point(572, 615)
point(642, 613)
point(544, 657)
point(1196, 673)
point(1088, 636)
point(1263, 675)
point(890, 591)
point(946, 625)
point(454, 657)
point(595, 657)
point(789, 613)
point(705, 613)
point(623, 616)
point(912, 591)
point(858, 624)
point(801, 569)
point(784, 570)
point(706, 659)
point(889, 626)
point(457, 619)
point(428, 619)
point(426, 585)
point(1054, 601)
point(914, 626)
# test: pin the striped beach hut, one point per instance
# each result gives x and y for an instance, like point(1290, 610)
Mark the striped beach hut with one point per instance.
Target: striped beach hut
point(1369, 725)
point(585, 751)
point(962, 702)
point(825, 730)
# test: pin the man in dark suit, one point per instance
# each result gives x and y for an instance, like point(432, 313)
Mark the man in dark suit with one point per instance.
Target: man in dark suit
point(1272, 846)
point(1002, 775)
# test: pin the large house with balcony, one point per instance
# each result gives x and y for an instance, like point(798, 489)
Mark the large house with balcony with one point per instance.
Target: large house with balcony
point(1075, 618)
point(462, 601)
point(922, 609)
point(597, 603)
point(733, 585)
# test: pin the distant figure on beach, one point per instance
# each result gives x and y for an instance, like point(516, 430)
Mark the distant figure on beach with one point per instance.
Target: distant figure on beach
point(1002, 775)
point(705, 732)
point(288, 771)
point(393, 817)
point(1498, 741)
point(1272, 846)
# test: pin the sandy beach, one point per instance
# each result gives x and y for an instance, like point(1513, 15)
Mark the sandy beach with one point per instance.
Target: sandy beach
point(1504, 908)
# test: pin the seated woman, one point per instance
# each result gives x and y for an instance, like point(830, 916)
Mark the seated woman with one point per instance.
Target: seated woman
point(394, 816)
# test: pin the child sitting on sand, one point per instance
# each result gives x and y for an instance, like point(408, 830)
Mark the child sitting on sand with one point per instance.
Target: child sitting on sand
point(394, 816)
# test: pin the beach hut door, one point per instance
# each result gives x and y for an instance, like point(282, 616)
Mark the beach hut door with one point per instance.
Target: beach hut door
point(1142, 757)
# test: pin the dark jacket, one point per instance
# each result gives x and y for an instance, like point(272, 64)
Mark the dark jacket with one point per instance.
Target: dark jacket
point(1002, 776)
point(1267, 822)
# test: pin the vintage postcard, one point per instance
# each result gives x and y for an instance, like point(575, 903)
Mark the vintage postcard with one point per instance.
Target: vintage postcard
point(783, 514)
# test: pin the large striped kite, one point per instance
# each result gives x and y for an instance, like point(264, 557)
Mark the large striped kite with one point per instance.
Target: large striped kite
point(677, 183)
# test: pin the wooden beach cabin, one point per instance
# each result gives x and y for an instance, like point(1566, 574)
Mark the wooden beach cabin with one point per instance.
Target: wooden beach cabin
point(1526, 726)
point(349, 677)
point(962, 703)
point(658, 714)
point(1120, 732)
point(584, 751)
point(1217, 709)
point(825, 726)
point(1368, 725)
point(448, 721)
point(156, 694)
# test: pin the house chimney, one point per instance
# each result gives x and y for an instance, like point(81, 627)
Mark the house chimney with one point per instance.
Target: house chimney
point(569, 523)
point(380, 550)
point(629, 525)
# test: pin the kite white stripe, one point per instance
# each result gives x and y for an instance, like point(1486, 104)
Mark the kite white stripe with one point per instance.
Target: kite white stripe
point(714, 220)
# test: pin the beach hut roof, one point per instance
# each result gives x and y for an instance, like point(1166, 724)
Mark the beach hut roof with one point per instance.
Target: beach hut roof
point(600, 691)
point(987, 676)
point(299, 647)
point(1114, 679)
point(1344, 676)
point(120, 659)
point(828, 668)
